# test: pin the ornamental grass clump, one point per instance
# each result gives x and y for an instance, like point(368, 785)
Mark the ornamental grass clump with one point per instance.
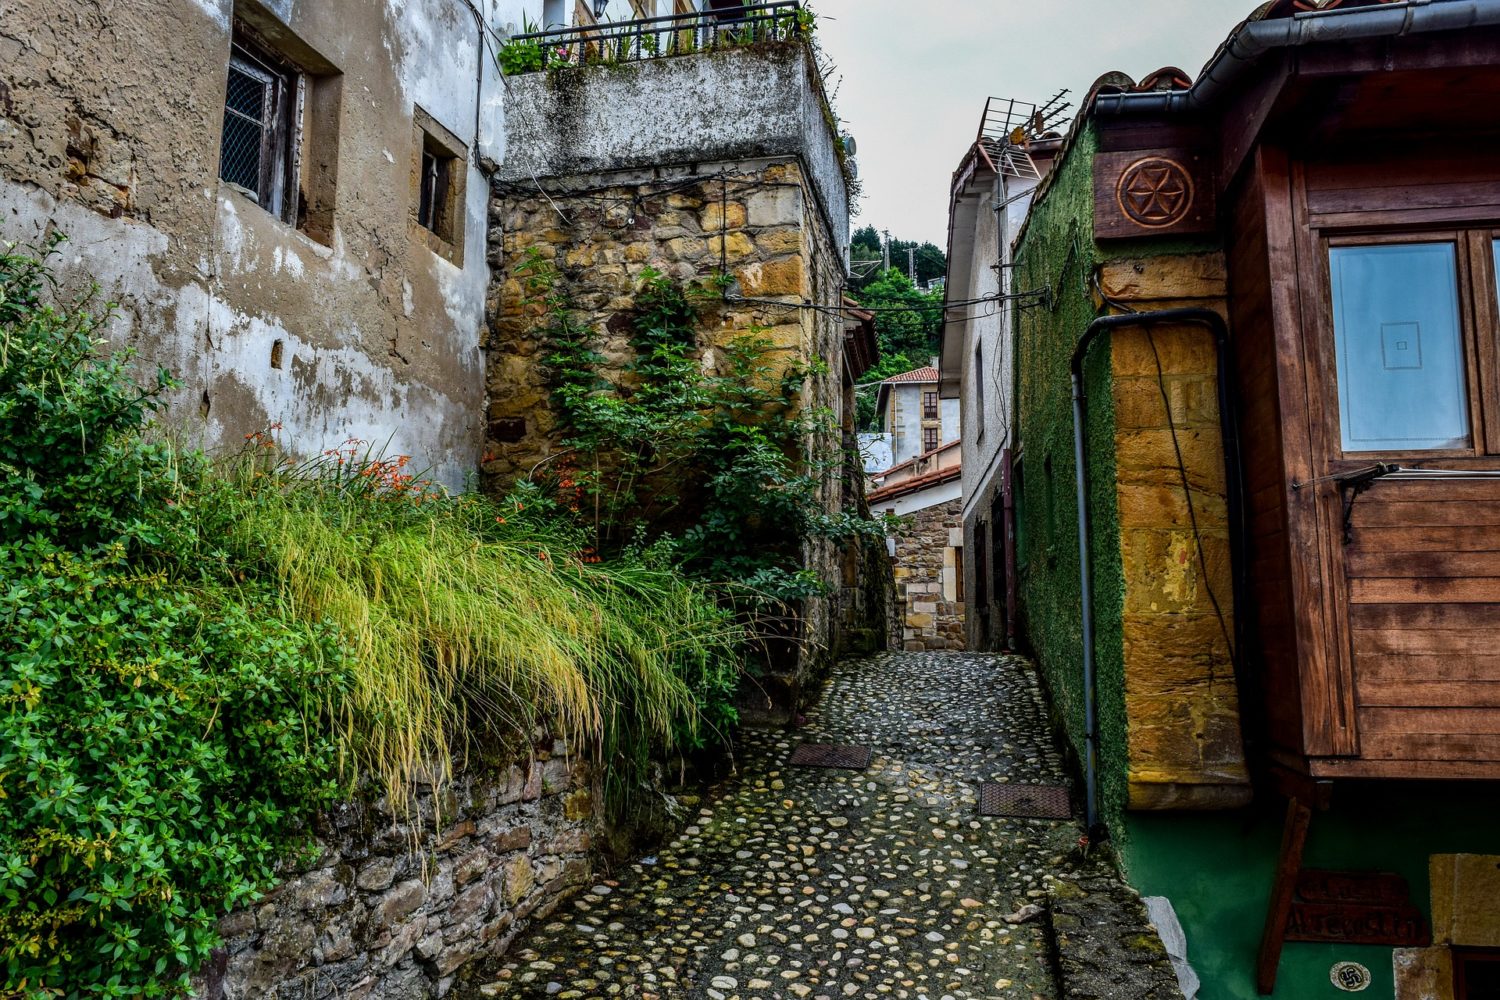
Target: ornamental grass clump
point(470, 621)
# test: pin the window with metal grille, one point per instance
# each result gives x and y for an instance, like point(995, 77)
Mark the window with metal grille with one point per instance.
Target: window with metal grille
point(439, 172)
point(432, 205)
point(929, 438)
point(929, 406)
point(255, 151)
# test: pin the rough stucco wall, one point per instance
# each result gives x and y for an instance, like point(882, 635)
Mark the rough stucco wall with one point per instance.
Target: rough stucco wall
point(949, 420)
point(738, 103)
point(397, 908)
point(905, 424)
point(987, 395)
point(1057, 252)
point(930, 617)
point(107, 142)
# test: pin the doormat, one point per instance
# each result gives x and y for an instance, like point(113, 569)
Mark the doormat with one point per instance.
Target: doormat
point(832, 755)
point(1024, 801)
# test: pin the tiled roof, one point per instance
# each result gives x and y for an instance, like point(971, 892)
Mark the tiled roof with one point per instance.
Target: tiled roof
point(928, 374)
point(916, 484)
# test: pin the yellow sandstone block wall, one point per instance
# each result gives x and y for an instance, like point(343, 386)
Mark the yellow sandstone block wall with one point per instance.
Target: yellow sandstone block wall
point(755, 221)
point(1182, 709)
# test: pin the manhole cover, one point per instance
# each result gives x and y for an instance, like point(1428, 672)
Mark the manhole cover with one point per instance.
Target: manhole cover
point(832, 755)
point(1029, 801)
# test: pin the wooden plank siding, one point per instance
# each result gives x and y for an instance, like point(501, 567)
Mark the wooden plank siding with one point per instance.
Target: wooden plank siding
point(1423, 568)
point(1271, 610)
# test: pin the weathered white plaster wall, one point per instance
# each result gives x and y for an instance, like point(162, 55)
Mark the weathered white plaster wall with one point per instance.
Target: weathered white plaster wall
point(104, 141)
point(911, 503)
point(989, 327)
point(735, 104)
point(904, 419)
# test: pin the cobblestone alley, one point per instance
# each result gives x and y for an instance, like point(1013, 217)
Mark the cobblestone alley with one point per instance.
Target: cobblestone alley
point(823, 884)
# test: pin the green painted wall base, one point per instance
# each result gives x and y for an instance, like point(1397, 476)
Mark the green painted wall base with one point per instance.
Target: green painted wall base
point(1216, 868)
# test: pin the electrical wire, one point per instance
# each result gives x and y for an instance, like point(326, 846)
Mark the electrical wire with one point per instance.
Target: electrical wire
point(1187, 491)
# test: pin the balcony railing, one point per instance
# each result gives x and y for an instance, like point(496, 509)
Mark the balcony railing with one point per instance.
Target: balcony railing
point(656, 37)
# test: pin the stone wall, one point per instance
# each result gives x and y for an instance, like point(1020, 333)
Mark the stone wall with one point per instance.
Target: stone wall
point(759, 222)
point(602, 232)
point(1183, 733)
point(396, 908)
point(931, 615)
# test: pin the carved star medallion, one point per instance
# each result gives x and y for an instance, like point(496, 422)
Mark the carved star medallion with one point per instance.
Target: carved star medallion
point(1155, 192)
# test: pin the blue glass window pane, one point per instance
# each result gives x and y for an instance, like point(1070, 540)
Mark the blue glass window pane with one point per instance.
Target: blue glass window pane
point(1403, 385)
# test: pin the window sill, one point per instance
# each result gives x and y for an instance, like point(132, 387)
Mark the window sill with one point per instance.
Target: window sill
point(236, 197)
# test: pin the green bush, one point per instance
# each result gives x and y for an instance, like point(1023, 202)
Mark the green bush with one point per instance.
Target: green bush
point(158, 751)
point(724, 467)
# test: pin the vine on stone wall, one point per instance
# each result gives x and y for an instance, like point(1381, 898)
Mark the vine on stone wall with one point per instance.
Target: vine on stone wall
point(709, 457)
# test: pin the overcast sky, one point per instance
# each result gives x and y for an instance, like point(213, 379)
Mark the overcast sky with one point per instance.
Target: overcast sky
point(913, 88)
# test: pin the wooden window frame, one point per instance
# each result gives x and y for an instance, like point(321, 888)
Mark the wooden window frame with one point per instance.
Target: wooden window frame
point(1463, 959)
point(929, 405)
point(280, 132)
point(933, 435)
point(438, 222)
point(1477, 337)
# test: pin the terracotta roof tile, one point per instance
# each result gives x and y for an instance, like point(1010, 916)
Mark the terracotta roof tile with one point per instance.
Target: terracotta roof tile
point(928, 374)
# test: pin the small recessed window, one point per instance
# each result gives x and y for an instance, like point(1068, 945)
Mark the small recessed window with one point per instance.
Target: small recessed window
point(440, 167)
point(256, 152)
point(929, 438)
point(929, 405)
point(978, 376)
point(437, 174)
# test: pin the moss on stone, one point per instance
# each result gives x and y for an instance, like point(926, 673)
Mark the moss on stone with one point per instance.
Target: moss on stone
point(1057, 252)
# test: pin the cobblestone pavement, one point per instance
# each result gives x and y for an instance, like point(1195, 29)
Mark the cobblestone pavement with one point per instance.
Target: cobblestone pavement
point(828, 884)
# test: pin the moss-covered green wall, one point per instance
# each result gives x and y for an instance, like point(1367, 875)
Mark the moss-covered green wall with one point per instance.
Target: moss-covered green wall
point(1057, 252)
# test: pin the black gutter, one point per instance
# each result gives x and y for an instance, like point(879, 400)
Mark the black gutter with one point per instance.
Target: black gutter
point(1254, 39)
point(1234, 501)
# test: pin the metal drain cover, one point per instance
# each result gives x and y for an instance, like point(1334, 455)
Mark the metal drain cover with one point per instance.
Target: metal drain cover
point(1027, 801)
point(832, 755)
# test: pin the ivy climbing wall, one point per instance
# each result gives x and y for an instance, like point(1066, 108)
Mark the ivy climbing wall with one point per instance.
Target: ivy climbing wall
point(748, 243)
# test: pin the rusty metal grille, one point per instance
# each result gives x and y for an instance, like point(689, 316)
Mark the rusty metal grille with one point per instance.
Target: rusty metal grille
point(1024, 801)
point(832, 755)
point(255, 150)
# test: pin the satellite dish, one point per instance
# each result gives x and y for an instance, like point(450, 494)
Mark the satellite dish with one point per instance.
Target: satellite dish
point(850, 146)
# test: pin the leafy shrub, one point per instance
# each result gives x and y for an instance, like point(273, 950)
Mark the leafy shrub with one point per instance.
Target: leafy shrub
point(157, 754)
point(717, 462)
point(194, 658)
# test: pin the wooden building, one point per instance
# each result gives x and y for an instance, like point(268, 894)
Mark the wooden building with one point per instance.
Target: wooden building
point(1314, 222)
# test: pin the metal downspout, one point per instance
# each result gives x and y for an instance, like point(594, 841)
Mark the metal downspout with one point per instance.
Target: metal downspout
point(1234, 494)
